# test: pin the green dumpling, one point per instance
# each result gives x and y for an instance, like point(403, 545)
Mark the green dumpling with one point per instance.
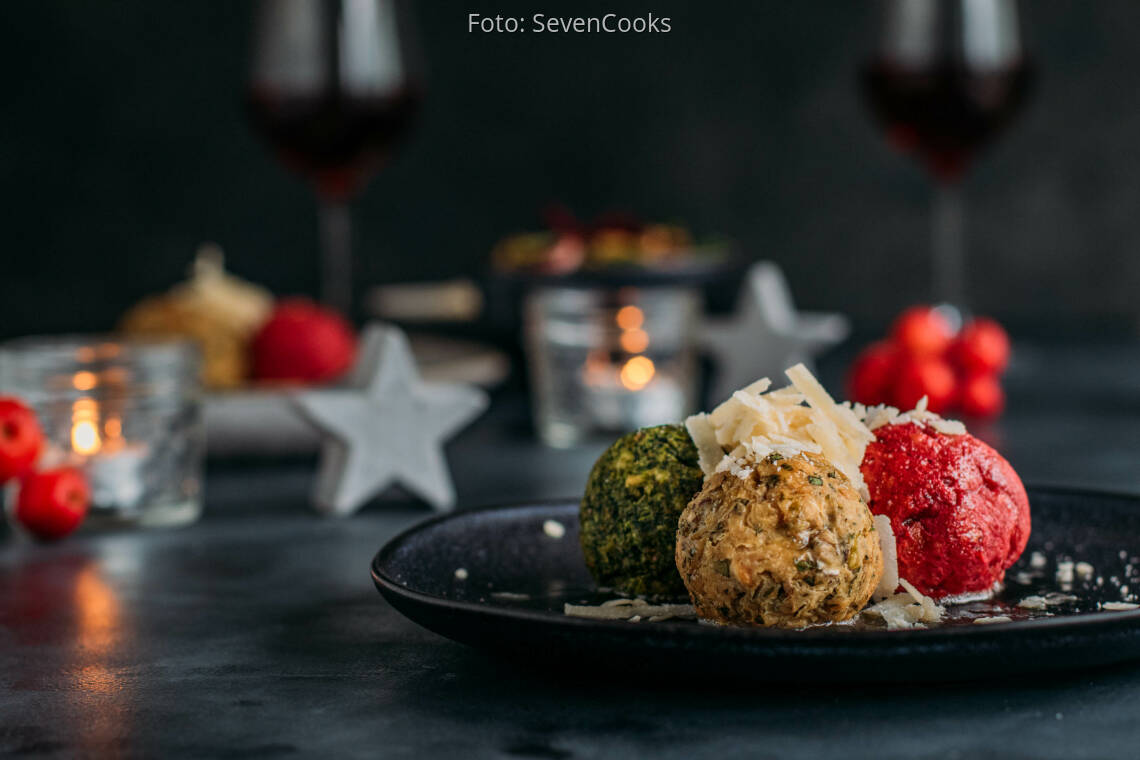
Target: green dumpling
point(634, 499)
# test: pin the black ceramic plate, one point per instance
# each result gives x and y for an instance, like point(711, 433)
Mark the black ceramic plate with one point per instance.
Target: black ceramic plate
point(518, 578)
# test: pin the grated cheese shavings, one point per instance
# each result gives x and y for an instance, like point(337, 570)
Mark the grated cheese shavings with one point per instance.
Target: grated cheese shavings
point(798, 419)
point(900, 612)
point(993, 620)
point(1064, 572)
point(757, 421)
point(908, 609)
point(889, 581)
point(874, 417)
point(703, 433)
point(632, 610)
point(1036, 602)
point(932, 612)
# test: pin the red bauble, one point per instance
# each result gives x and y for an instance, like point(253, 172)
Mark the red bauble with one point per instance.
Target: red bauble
point(930, 377)
point(303, 342)
point(869, 381)
point(982, 347)
point(53, 503)
point(922, 331)
point(21, 438)
point(981, 396)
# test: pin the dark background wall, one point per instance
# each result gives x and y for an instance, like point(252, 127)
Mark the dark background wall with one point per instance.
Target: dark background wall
point(124, 144)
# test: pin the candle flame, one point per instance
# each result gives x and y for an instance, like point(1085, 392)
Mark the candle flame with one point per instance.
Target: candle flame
point(85, 438)
point(637, 372)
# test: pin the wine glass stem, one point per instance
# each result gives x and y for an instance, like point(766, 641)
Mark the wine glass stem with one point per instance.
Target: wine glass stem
point(336, 254)
point(948, 245)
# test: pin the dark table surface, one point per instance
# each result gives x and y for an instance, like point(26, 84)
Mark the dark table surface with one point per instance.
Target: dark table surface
point(257, 632)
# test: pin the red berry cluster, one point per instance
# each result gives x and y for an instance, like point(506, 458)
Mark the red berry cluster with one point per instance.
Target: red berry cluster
point(51, 502)
point(923, 357)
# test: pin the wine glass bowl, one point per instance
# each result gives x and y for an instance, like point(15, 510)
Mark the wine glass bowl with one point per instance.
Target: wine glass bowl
point(336, 141)
point(943, 116)
point(334, 85)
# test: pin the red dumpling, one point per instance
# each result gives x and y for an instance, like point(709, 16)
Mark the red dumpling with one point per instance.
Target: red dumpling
point(957, 508)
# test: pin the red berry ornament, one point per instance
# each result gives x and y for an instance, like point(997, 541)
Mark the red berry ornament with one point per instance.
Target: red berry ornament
point(982, 347)
point(922, 331)
point(303, 342)
point(53, 503)
point(21, 438)
point(981, 396)
point(932, 378)
point(872, 374)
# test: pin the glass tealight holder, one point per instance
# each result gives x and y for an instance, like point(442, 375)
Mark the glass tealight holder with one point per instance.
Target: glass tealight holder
point(128, 412)
point(610, 360)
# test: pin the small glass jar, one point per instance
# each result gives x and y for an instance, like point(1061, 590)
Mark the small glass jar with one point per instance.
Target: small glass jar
point(610, 359)
point(127, 411)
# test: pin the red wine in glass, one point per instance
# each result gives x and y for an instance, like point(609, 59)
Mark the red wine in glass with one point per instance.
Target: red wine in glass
point(942, 114)
point(334, 139)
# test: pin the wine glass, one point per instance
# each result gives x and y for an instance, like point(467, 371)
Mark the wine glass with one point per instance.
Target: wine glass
point(333, 87)
point(945, 77)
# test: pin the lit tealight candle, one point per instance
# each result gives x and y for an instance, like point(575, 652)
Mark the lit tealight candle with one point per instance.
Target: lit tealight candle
point(114, 466)
point(85, 438)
